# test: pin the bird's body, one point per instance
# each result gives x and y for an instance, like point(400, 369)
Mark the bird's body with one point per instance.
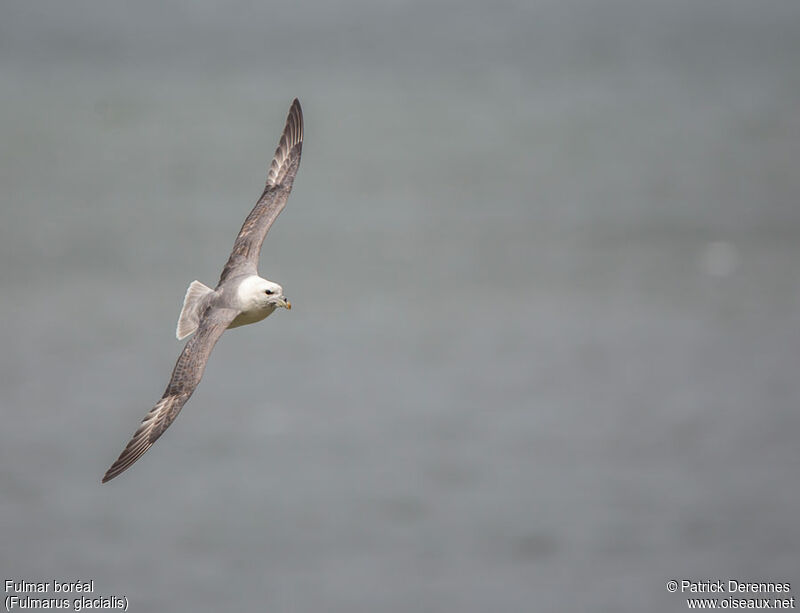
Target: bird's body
point(241, 297)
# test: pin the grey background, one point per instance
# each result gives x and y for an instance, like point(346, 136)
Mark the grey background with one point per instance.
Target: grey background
point(545, 266)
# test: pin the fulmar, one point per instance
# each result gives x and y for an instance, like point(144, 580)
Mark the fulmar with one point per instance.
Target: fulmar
point(241, 297)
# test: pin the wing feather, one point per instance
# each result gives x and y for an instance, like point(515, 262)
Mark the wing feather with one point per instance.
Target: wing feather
point(280, 178)
point(185, 377)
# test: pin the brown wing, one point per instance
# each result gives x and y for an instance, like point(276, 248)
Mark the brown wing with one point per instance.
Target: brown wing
point(185, 376)
point(282, 170)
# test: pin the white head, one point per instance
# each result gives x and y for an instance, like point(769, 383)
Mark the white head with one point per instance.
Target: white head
point(257, 293)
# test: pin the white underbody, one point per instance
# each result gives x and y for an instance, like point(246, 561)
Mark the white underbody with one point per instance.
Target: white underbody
point(252, 316)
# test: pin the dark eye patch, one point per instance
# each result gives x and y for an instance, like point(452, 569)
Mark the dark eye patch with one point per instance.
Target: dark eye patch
point(268, 292)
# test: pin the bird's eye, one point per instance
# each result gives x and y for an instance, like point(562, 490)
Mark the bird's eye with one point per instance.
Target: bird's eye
point(268, 292)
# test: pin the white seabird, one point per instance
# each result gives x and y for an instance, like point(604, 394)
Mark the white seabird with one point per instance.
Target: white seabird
point(241, 297)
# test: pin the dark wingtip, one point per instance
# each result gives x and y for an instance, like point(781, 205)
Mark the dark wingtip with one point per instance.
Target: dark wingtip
point(135, 449)
point(120, 466)
point(108, 476)
point(295, 121)
point(296, 113)
point(291, 140)
point(114, 471)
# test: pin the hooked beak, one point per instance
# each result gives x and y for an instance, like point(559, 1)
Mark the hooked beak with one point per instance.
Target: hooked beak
point(287, 305)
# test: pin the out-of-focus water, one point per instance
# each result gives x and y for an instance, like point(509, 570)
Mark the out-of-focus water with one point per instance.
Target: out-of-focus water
point(545, 264)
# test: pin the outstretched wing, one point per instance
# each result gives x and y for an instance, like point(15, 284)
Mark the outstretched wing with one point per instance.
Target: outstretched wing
point(185, 376)
point(246, 249)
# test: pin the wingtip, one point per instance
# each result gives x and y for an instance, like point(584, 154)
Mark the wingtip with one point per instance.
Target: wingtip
point(120, 466)
point(296, 114)
point(289, 146)
point(113, 471)
point(296, 109)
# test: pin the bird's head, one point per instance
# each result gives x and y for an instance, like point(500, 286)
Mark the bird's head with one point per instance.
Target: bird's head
point(273, 294)
point(257, 293)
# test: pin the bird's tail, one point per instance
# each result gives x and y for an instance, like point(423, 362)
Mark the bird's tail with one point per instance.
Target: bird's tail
point(189, 318)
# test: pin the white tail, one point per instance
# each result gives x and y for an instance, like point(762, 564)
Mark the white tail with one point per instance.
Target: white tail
point(189, 318)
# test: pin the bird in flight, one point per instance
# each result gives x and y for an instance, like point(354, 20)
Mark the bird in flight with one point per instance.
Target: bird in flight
point(241, 297)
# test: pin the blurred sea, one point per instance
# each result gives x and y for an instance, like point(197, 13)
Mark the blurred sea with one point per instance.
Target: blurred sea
point(544, 259)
